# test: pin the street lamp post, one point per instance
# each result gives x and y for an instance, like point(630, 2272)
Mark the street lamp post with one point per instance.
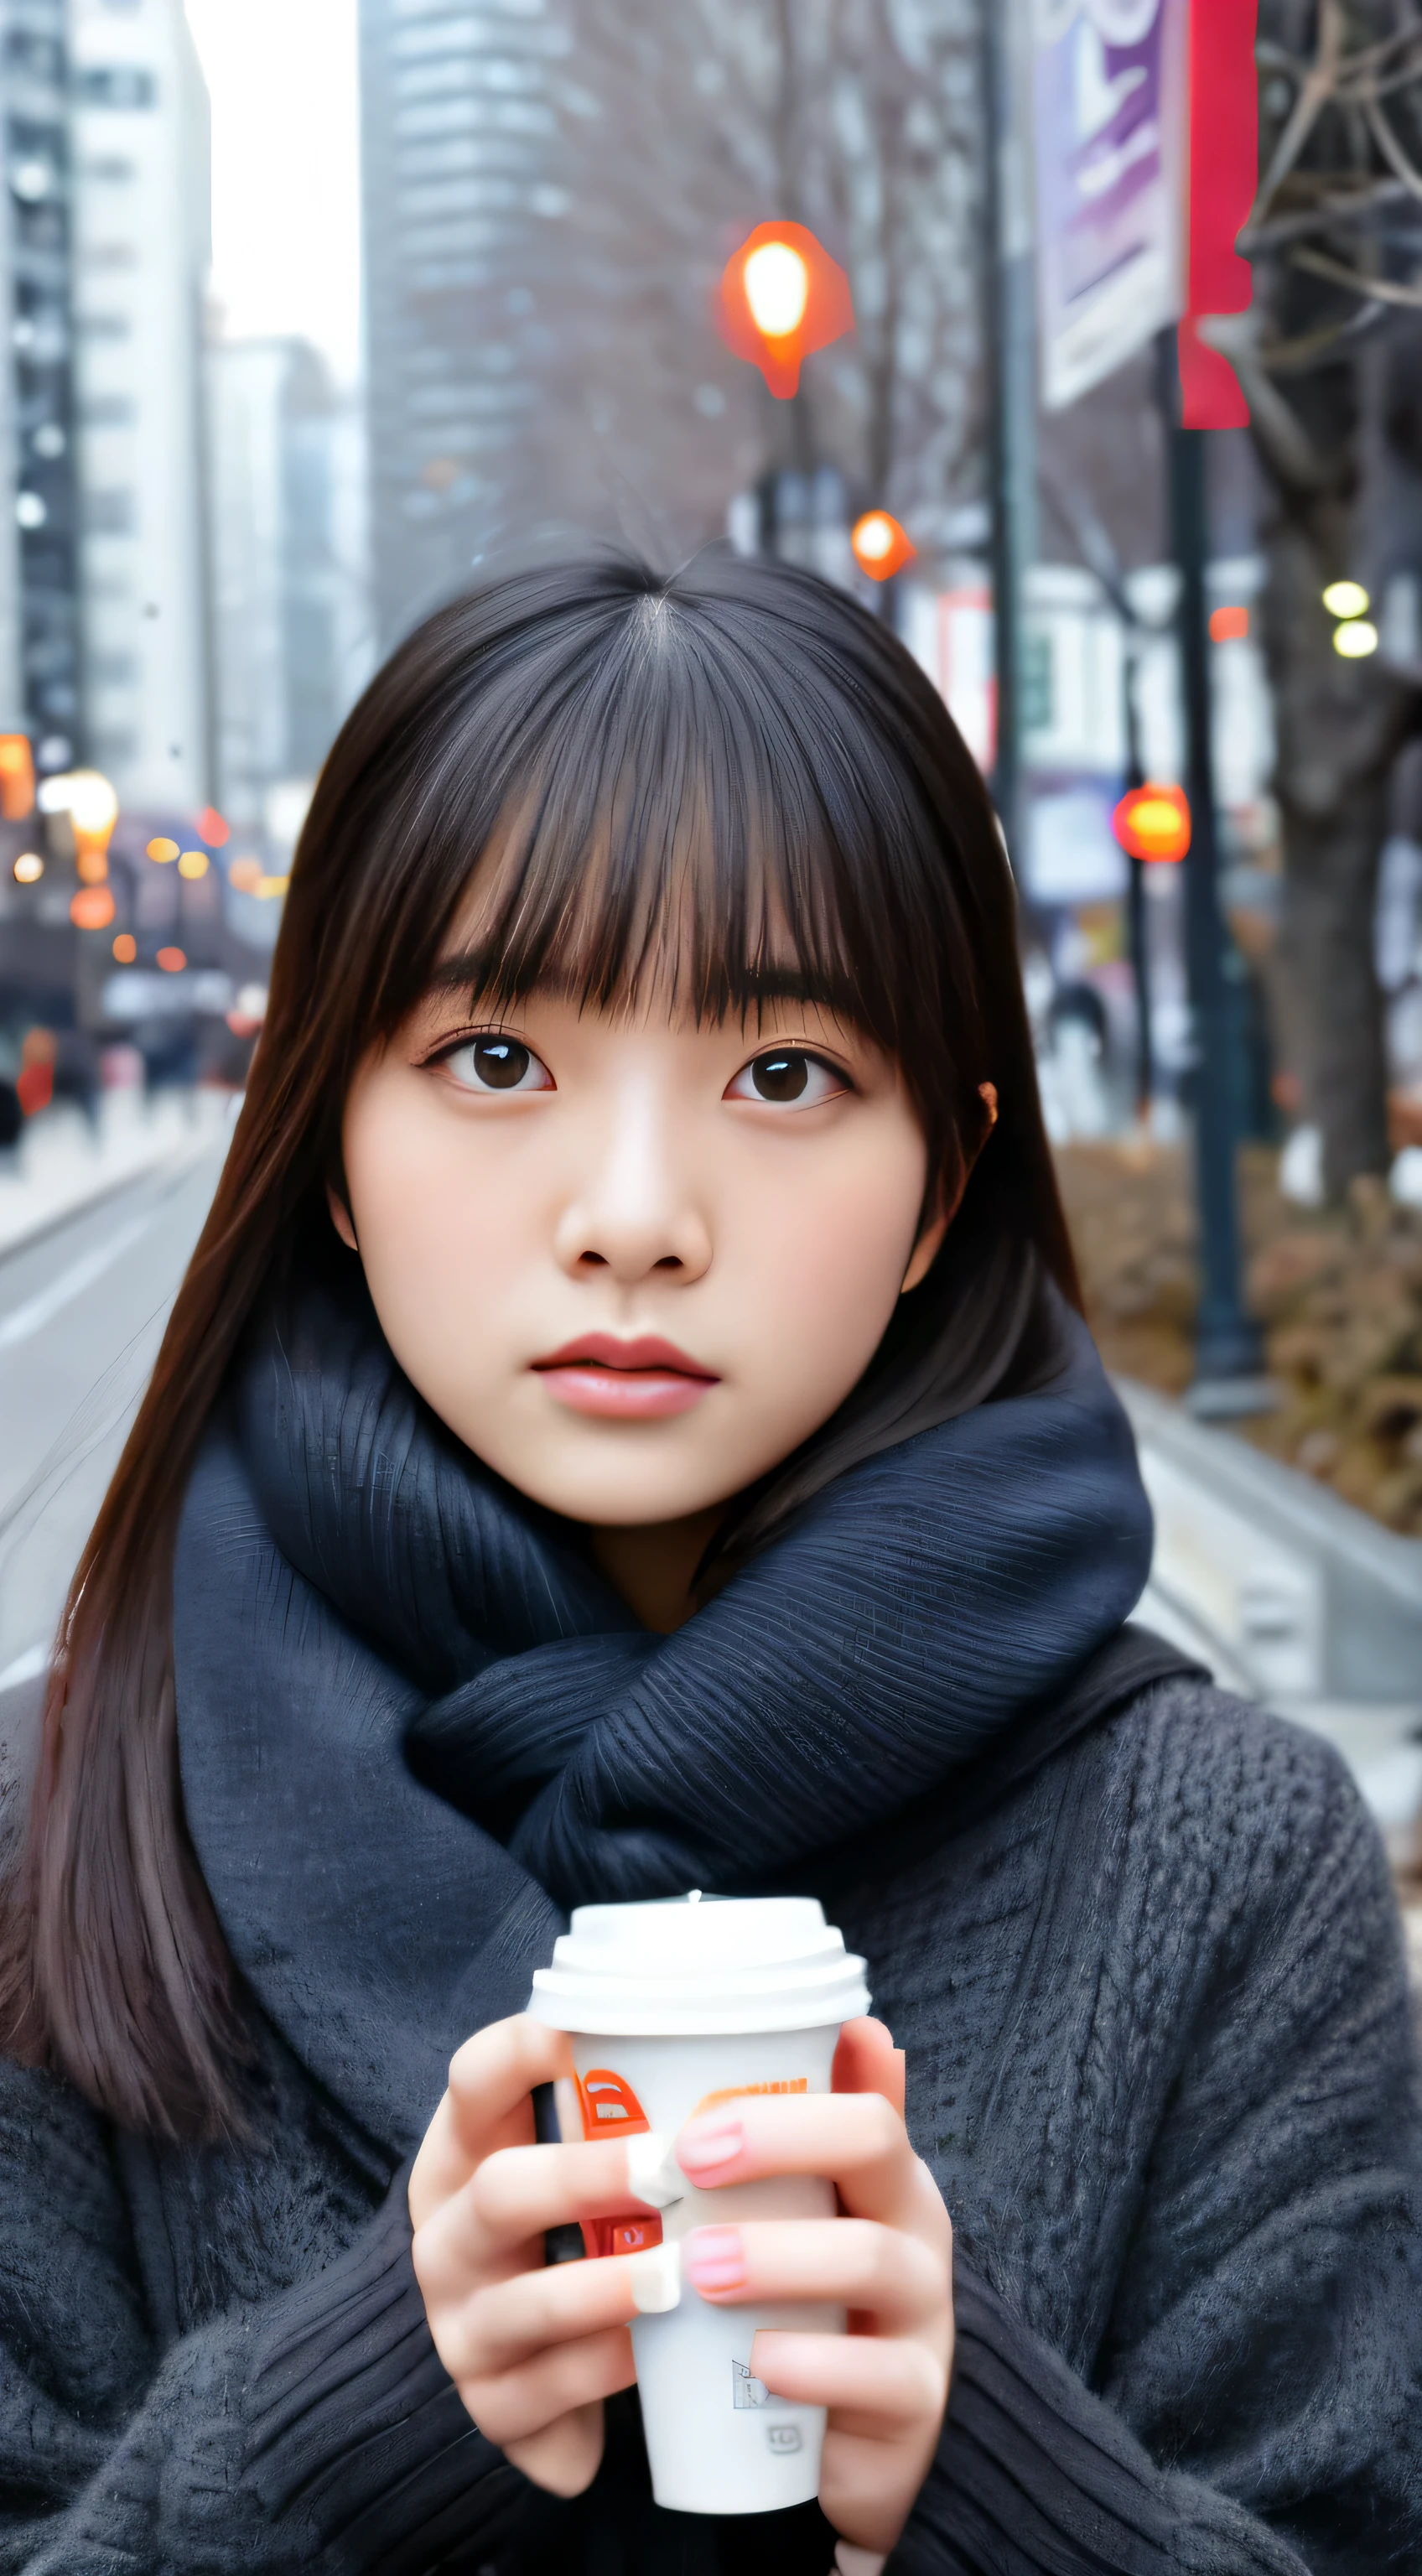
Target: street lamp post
point(1011, 328)
point(1228, 1365)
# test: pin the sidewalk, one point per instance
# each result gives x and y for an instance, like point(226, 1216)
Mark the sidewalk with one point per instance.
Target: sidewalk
point(61, 1165)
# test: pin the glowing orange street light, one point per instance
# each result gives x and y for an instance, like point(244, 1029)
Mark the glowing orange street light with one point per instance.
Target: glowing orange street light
point(879, 545)
point(17, 777)
point(781, 297)
point(92, 806)
point(1153, 822)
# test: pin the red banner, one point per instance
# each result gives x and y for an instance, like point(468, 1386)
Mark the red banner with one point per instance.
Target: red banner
point(1223, 178)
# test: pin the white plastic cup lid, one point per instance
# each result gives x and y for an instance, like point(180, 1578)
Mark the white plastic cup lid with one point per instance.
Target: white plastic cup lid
point(697, 1966)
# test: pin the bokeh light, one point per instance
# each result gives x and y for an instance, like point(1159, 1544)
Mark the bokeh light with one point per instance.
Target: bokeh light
point(1356, 639)
point(245, 875)
point(1153, 822)
point(17, 777)
point(92, 908)
point(193, 864)
point(1345, 599)
point(1229, 625)
point(880, 546)
point(125, 948)
point(28, 868)
point(163, 851)
point(777, 288)
point(212, 828)
point(172, 960)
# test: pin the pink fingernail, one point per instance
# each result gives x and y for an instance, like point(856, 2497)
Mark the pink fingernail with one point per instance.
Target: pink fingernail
point(714, 2258)
point(717, 2143)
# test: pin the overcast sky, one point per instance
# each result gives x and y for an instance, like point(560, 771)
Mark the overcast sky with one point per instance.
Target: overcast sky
point(285, 167)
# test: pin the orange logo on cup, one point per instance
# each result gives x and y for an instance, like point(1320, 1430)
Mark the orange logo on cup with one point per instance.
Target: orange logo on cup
point(609, 2105)
point(738, 2092)
point(611, 2109)
point(620, 2235)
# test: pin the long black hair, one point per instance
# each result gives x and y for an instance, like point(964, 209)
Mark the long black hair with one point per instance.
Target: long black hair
point(681, 784)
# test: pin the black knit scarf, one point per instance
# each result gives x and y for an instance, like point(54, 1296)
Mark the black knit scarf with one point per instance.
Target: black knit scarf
point(415, 1722)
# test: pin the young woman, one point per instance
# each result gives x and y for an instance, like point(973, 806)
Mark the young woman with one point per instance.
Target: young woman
point(626, 1426)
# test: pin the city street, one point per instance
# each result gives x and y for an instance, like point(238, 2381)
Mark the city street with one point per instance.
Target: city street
point(82, 1309)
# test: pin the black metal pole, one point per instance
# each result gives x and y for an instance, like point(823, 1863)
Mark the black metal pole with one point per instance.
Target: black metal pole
point(1227, 1340)
point(1011, 344)
point(1136, 925)
point(1140, 975)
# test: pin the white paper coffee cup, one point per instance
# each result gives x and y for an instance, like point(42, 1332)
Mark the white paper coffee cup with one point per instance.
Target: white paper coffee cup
point(671, 2008)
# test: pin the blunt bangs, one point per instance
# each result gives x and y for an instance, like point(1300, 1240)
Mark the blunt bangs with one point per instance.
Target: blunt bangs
point(712, 788)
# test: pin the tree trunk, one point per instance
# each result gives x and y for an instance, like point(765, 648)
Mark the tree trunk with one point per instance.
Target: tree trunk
point(1339, 727)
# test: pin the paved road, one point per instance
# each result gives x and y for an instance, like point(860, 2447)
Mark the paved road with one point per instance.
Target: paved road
point(81, 1314)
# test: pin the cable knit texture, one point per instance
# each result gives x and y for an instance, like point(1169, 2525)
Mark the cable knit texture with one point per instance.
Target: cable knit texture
point(916, 1606)
point(1137, 1939)
point(1158, 2038)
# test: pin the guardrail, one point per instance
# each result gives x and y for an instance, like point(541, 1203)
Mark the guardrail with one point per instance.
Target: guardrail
point(1289, 1595)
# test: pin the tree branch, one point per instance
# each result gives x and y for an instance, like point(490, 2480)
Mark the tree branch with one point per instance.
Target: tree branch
point(1392, 151)
point(1373, 290)
point(1319, 86)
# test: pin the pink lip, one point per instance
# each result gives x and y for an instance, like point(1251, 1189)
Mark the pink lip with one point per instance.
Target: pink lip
point(646, 1380)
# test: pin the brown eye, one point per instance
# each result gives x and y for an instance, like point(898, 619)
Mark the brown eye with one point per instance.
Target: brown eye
point(781, 1077)
point(788, 1078)
point(497, 1063)
point(500, 1062)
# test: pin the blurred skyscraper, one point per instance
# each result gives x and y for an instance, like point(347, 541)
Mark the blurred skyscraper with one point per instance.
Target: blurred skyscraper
point(290, 613)
point(459, 135)
point(143, 192)
point(39, 639)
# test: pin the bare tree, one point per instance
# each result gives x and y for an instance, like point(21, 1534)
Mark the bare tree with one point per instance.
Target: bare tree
point(1326, 356)
point(863, 119)
point(680, 127)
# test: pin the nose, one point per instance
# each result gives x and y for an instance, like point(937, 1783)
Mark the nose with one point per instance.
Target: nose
point(634, 1210)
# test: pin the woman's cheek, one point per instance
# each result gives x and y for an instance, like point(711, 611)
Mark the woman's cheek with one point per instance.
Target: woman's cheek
point(824, 1274)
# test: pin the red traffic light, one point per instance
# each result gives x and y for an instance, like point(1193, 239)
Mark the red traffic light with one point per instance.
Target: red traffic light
point(1153, 822)
point(781, 297)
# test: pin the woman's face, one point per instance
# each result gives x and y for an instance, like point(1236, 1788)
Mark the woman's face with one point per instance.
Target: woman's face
point(632, 1263)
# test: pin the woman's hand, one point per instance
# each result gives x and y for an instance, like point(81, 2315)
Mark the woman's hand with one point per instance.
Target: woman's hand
point(888, 2259)
point(533, 2349)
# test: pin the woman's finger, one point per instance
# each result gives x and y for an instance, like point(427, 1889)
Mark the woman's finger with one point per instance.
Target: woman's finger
point(870, 2383)
point(853, 2139)
point(876, 2271)
point(866, 2061)
point(507, 2323)
point(487, 2105)
point(513, 2404)
point(565, 2457)
point(518, 2193)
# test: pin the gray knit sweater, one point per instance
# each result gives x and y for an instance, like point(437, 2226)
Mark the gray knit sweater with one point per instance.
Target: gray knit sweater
point(1157, 2025)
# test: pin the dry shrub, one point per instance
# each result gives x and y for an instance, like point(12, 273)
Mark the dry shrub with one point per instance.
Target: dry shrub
point(1339, 1296)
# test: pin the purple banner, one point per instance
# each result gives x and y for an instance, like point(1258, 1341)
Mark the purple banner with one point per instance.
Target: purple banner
point(1108, 96)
